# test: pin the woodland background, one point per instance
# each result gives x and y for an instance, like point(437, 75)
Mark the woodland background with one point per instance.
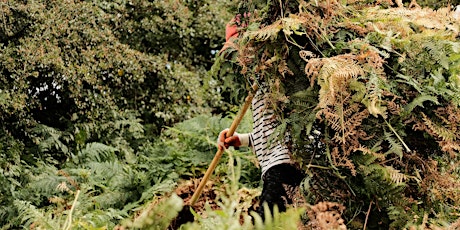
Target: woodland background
point(108, 109)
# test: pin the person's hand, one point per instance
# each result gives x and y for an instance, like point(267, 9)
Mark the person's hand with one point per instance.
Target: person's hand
point(237, 140)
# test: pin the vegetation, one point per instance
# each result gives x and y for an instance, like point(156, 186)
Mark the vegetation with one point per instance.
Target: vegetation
point(370, 96)
point(109, 111)
point(83, 101)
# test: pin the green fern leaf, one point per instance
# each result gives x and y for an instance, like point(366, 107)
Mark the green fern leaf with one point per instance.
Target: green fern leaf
point(95, 152)
point(29, 215)
point(410, 81)
point(418, 101)
point(49, 138)
point(395, 145)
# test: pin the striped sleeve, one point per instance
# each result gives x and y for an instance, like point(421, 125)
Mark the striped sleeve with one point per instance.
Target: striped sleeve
point(265, 143)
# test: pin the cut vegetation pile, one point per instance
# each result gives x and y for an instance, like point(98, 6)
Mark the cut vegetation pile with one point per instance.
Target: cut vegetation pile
point(370, 95)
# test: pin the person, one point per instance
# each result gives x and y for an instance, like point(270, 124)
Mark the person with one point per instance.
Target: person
point(280, 175)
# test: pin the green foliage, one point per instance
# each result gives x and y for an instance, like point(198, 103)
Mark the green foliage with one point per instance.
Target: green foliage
point(197, 137)
point(67, 62)
point(159, 216)
point(111, 186)
point(93, 95)
point(376, 105)
point(229, 215)
point(186, 31)
point(11, 172)
point(86, 87)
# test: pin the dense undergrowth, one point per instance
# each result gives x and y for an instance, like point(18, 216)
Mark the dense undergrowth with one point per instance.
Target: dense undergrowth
point(101, 101)
point(370, 97)
point(102, 186)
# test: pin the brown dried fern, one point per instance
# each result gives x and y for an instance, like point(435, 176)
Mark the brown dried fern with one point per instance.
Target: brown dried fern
point(334, 77)
point(335, 103)
point(342, 160)
point(326, 216)
point(444, 130)
point(442, 185)
point(395, 175)
point(366, 150)
point(268, 32)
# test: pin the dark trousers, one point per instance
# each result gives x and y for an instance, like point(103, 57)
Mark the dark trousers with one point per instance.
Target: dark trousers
point(276, 182)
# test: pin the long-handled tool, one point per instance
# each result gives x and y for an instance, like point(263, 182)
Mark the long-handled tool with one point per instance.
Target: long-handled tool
point(185, 214)
point(220, 151)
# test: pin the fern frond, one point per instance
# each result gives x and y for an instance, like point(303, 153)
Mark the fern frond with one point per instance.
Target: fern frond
point(283, 68)
point(373, 98)
point(134, 127)
point(265, 33)
point(395, 145)
point(289, 25)
point(372, 152)
point(418, 102)
point(49, 138)
point(306, 55)
point(451, 147)
point(334, 76)
point(312, 69)
point(439, 50)
point(346, 121)
point(439, 130)
point(395, 176)
point(102, 171)
point(293, 24)
point(401, 19)
point(159, 214)
point(32, 217)
point(95, 152)
point(48, 181)
point(383, 181)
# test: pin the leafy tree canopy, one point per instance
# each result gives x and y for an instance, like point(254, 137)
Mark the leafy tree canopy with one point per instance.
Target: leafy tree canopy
point(84, 85)
point(367, 90)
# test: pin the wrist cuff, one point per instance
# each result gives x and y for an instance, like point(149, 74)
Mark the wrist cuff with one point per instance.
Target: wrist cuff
point(244, 139)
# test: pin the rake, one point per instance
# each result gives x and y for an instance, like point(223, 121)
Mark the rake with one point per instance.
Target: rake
point(185, 214)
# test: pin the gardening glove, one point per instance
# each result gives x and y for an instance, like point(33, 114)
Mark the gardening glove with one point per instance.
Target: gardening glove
point(239, 21)
point(237, 140)
point(231, 29)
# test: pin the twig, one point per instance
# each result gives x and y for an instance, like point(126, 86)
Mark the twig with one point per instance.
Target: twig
point(367, 215)
point(400, 139)
point(317, 166)
point(281, 9)
point(68, 221)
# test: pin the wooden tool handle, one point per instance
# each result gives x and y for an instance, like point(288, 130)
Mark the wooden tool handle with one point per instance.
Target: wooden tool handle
point(231, 131)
